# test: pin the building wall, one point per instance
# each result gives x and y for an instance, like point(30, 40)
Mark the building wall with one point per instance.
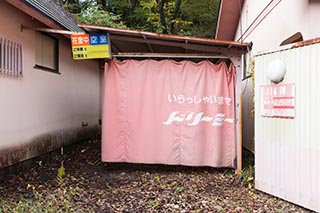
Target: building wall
point(287, 151)
point(247, 100)
point(284, 20)
point(42, 111)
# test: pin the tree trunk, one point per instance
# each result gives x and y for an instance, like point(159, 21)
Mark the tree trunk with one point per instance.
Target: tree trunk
point(162, 16)
point(175, 16)
point(104, 4)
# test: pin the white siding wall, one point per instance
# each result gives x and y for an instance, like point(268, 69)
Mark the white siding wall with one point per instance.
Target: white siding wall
point(41, 102)
point(287, 151)
point(286, 19)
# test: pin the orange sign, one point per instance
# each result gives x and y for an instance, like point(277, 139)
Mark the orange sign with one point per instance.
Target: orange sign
point(80, 40)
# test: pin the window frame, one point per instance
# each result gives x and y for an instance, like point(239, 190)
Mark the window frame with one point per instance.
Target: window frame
point(55, 54)
point(10, 58)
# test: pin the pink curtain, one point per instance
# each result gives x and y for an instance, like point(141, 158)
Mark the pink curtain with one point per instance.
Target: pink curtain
point(169, 112)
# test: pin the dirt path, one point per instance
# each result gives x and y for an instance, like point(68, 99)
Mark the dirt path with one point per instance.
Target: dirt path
point(92, 186)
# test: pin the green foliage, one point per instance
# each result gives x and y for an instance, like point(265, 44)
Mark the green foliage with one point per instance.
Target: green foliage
point(95, 15)
point(246, 175)
point(182, 17)
point(55, 157)
point(251, 73)
point(61, 174)
point(153, 204)
point(251, 69)
point(202, 15)
point(179, 189)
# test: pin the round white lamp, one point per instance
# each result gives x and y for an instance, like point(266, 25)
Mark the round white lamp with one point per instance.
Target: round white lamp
point(276, 71)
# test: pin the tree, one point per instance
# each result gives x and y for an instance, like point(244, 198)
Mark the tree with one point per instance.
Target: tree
point(182, 17)
point(176, 13)
point(203, 15)
point(162, 14)
point(93, 12)
point(72, 5)
point(95, 15)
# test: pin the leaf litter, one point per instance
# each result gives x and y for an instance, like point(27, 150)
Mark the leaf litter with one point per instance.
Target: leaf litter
point(89, 185)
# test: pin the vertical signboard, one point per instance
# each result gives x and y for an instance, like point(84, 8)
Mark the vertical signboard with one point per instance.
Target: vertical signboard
point(278, 100)
point(90, 46)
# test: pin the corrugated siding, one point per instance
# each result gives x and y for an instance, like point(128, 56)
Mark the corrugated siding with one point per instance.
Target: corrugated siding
point(287, 151)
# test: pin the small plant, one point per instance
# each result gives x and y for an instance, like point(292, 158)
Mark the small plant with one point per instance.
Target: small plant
point(39, 163)
point(163, 186)
point(55, 157)
point(60, 199)
point(246, 175)
point(251, 73)
point(57, 201)
point(221, 209)
point(61, 173)
point(156, 178)
point(153, 203)
point(93, 163)
point(179, 189)
point(252, 69)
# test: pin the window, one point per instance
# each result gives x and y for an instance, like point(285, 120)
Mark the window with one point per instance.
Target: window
point(10, 58)
point(47, 52)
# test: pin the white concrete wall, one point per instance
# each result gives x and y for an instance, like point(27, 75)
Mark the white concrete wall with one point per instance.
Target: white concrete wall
point(287, 18)
point(43, 107)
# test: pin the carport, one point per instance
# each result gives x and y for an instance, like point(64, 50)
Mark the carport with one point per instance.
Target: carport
point(139, 45)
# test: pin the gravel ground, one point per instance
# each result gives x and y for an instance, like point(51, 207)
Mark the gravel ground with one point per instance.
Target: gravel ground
point(88, 185)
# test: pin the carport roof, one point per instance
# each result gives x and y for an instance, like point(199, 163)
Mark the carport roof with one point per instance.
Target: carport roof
point(126, 41)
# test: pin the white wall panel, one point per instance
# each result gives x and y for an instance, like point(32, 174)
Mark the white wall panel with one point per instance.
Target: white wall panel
point(287, 151)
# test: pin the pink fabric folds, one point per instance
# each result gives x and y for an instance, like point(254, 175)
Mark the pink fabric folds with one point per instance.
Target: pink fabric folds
point(169, 112)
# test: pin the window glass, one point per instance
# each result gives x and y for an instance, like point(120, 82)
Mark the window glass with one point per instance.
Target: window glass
point(46, 52)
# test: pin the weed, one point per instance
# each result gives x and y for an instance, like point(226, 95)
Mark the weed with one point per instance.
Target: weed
point(221, 209)
point(61, 174)
point(59, 200)
point(55, 157)
point(246, 175)
point(153, 203)
point(39, 163)
point(179, 189)
point(163, 186)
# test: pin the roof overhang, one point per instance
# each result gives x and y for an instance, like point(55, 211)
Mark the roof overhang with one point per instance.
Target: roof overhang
point(125, 41)
point(49, 13)
point(228, 19)
point(34, 13)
